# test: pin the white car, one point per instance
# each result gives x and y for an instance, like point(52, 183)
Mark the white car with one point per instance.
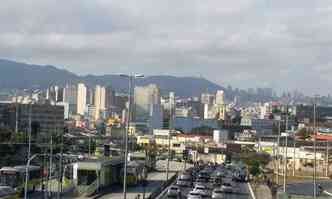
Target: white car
point(194, 195)
point(202, 190)
point(217, 194)
point(183, 183)
point(174, 191)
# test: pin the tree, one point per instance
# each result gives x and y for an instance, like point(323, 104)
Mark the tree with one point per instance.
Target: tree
point(5, 134)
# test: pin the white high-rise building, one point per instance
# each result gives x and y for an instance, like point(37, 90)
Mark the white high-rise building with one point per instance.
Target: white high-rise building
point(70, 97)
point(220, 104)
point(81, 98)
point(220, 97)
point(52, 93)
point(100, 98)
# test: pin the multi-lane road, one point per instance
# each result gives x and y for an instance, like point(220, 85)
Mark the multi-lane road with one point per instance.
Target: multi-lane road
point(240, 191)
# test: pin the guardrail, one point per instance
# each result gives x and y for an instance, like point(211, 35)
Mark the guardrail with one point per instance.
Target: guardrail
point(166, 184)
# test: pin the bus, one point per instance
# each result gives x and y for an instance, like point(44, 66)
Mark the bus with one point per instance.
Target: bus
point(136, 173)
point(148, 161)
point(15, 177)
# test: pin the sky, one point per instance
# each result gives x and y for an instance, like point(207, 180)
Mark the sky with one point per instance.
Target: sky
point(281, 44)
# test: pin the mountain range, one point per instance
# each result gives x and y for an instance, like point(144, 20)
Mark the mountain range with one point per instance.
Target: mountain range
point(16, 75)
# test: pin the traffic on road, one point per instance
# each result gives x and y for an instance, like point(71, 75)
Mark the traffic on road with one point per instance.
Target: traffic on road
point(216, 181)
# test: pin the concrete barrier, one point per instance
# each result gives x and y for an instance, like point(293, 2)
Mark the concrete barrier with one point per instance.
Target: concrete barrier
point(163, 187)
point(252, 194)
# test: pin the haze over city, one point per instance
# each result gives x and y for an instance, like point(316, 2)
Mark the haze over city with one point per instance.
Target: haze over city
point(243, 43)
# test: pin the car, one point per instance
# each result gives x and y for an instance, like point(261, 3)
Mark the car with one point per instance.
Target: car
point(216, 181)
point(185, 176)
point(194, 195)
point(173, 191)
point(203, 190)
point(217, 193)
point(7, 191)
point(239, 177)
point(227, 187)
point(183, 183)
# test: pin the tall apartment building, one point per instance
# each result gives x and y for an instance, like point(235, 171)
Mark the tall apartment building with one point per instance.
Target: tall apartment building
point(110, 97)
point(76, 97)
point(99, 101)
point(81, 98)
point(145, 98)
point(70, 97)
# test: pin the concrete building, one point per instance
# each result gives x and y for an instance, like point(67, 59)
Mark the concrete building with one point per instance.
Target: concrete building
point(220, 136)
point(53, 94)
point(145, 99)
point(220, 97)
point(207, 98)
point(99, 101)
point(109, 98)
point(186, 124)
point(81, 98)
point(70, 97)
point(147, 106)
point(45, 118)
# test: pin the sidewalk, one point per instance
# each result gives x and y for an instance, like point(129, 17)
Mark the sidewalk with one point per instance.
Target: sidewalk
point(155, 180)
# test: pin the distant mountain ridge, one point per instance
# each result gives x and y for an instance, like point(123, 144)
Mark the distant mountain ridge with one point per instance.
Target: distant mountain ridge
point(21, 75)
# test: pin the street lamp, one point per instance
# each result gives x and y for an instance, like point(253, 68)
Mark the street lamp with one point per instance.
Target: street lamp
point(130, 78)
point(27, 173)
point(37, 91)
point(315, 143)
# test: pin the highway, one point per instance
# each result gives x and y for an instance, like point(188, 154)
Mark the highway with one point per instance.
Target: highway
point(240, 190)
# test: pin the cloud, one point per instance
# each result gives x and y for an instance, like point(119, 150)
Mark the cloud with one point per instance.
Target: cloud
point(245, 43)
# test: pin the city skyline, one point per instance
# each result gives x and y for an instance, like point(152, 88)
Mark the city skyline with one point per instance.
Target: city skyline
point(244, 44)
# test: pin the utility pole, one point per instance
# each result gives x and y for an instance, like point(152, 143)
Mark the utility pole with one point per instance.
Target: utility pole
point(327, 159)
point(61, 168)
point(126, 140)
point(294, 145)
point(51, 151)
point(315, 134)
point(169, 134)
point(130, 78)
point(286, 145)
point(16, 113)
point(278, 152)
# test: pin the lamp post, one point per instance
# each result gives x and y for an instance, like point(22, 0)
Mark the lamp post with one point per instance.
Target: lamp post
point(130, 78)
point(29, 119)
point(286, 147)
point(315, 161)
point(27, 174)
point(171, 115)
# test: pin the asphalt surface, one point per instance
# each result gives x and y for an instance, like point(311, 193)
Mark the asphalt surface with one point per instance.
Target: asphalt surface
point(307, 188)
point(240, 190)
